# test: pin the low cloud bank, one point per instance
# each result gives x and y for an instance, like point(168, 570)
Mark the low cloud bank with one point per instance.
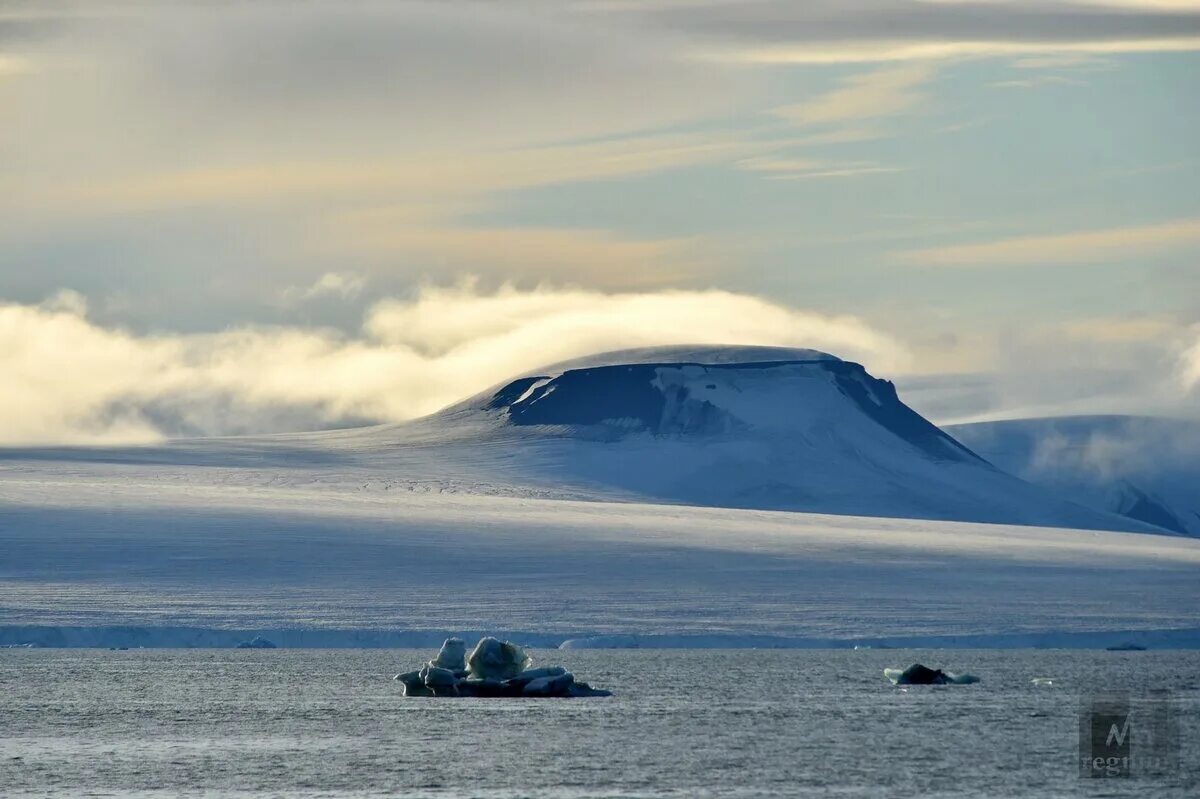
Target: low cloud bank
point(71, 381)
point(1115, 365)
point(1189, 366)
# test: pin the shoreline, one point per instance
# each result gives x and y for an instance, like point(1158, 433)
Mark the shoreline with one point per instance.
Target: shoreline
point(165, 637)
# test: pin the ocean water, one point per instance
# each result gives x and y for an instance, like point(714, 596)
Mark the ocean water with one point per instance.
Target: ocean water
point(684, 723)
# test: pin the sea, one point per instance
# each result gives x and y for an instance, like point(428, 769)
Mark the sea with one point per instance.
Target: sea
point(682, 723)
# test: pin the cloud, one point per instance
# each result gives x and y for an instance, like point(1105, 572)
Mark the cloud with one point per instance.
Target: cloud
point(890, 50)
point(1120, 330)
point(1080, 62)
point(1122, 449)
point(598, 257)
point(70, 380)
point(840, 114)
point(1189, 363)
point(884, 92)
point(784, 32)
point(1128, 364)
point(344, 285)
point(436, 181)
point(804, 169)
point(1038, 81)
point(1084, 246)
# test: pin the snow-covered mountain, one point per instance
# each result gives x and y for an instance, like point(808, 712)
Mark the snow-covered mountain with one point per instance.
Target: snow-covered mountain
point(1144, 468)
point(742, 427)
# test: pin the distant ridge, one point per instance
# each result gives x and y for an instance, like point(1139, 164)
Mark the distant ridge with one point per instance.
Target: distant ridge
point(1142, 467)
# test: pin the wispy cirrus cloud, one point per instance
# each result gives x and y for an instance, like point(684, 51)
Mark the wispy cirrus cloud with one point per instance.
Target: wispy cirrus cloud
point(802, 169)
point(865, 31)
point(881, 93)
point(1038, 81)
point(1082, 246)
point(597, 257)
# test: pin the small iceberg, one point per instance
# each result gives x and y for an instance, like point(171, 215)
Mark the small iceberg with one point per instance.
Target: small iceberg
point(918, 674)
point(493, 669)
point(257, 642)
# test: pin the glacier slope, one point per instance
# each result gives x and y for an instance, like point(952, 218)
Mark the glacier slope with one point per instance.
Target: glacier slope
point(132, 551)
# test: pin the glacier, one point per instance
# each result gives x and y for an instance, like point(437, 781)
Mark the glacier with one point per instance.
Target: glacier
point(710, 500)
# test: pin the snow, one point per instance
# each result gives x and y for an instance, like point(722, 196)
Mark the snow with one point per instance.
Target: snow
point(695, 354)
point(87, 553)
point(804, 522)
point(493, 659)
point(452, 655)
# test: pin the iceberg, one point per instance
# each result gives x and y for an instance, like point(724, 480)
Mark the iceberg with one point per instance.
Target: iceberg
point(495, 659)
point(493, 669)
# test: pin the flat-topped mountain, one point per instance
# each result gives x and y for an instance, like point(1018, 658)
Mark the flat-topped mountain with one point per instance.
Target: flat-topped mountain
point(753, 427)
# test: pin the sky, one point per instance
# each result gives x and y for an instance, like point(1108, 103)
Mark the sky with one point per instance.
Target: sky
point(235, 217)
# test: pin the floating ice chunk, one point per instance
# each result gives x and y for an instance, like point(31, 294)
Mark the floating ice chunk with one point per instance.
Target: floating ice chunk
point(918, 674)
point(414, 683)
point(558, 685)
point(497, 660)
point(452, 655)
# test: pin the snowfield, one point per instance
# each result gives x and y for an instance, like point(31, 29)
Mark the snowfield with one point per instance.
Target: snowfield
point(469, 522)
